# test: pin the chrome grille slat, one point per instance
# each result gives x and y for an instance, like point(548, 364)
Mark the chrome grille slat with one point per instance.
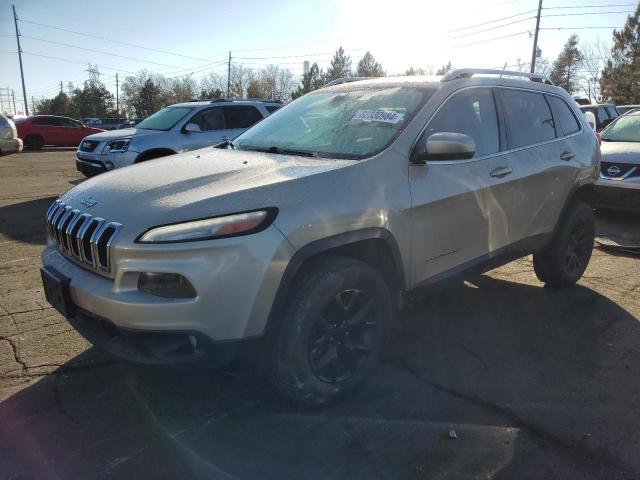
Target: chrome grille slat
point(82, 237)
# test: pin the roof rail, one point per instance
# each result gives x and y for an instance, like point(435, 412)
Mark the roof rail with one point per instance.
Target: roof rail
point(338, 81)
point(470, 72)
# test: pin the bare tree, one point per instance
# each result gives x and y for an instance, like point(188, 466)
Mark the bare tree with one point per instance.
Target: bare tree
point(595, 56)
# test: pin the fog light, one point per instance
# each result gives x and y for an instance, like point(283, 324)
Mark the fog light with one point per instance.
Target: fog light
point(168, 285)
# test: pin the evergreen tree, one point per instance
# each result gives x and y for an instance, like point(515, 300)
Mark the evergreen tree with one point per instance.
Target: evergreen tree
point(340, 66)
point(368, 67)
point(565, 70)
point(621, 76)
point(444, 69)
point(415, 71)
point(312, 80)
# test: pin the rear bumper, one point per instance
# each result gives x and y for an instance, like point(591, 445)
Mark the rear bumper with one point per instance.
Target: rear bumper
point(90, 168)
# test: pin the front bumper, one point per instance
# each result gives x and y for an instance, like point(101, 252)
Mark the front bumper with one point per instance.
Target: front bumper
point(617, 194)
point(108, 161)
point(90, 168)
point(236, 280)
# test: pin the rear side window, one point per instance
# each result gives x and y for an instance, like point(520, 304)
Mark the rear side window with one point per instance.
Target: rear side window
point(565, 119)
point(602, 115)
point(4, 122)
point(528, 118)
point(241, 116)
point(271, 108)
point(209, 119)
point(472, 112)
point(612, 112)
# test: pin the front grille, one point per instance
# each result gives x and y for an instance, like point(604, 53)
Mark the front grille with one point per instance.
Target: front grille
point(81, 236)
point(618, 170)
point(88, 145)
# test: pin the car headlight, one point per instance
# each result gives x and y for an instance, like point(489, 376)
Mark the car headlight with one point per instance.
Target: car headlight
point(120, 145)
point(217, 227)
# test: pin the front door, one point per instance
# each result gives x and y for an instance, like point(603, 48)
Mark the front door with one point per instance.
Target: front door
point(460, 211)
point(211, 123)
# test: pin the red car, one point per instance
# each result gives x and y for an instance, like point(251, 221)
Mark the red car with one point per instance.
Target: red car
point(40, 130)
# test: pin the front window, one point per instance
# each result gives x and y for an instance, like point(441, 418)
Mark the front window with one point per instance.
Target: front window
point(352, 124)
point(164, 119)
point(624, 129)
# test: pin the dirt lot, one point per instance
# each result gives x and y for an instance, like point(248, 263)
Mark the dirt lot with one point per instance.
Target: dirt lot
point(534, 383)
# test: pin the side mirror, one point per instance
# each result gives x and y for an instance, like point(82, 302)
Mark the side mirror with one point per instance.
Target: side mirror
point(591, 119)
point(444, 146)
point(191, 127)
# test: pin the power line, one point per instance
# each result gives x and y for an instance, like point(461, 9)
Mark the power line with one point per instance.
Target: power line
point(491, 28)
point(593, 6)
point(575, 28)
point(79, 63)
point(117, 41)
point(492, 21)
point(492, 39)
point(97, 51)
point(584, 13)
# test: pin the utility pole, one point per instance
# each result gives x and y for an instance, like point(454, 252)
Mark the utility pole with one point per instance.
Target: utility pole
point(534, 53)
point(117, 98)
point(24, 90)
point(61, 88)
point(33, 105)
point(229, 75)
point(13, 97)
point(535, 39)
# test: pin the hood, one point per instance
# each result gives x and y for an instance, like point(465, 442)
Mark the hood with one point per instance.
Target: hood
point(620, 152)
point(125, 132)
point(197, 184)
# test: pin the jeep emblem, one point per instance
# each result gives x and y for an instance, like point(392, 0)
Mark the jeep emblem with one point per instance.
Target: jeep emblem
point(88, 202)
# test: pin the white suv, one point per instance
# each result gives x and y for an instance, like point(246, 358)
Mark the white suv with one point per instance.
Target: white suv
point(174, 129)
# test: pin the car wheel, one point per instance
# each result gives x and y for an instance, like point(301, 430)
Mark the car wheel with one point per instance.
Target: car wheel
point(33, 142)
point(562, 263)
point(332, 331)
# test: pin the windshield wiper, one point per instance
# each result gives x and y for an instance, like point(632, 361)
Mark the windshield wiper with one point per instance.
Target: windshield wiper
point(225, 144)
point(284, 151)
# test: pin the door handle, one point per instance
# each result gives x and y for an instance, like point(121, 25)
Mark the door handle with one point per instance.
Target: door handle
point(501, 172)
point(566, 156)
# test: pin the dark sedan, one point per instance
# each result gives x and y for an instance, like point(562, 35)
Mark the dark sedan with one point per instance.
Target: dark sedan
point(619, 184)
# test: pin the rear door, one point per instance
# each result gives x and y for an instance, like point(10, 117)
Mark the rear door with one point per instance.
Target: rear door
point(240, 117)
point(459, 207)
point(74, 131)
point(542, 163)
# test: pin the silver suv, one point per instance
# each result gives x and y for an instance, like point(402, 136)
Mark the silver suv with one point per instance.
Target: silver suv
point(177, 128)
point(302, 236)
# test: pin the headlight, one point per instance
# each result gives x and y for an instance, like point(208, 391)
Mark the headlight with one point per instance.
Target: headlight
point(117, 145)
point(217, 227)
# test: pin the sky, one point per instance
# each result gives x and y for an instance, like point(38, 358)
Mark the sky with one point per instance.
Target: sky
point(195, 37)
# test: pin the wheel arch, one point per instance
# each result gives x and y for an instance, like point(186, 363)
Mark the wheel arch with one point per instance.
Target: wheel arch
point(154, 153)
point(374, 246)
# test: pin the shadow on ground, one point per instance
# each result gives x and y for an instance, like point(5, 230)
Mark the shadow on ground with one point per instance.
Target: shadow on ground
point(535, 384)
point(25, 221)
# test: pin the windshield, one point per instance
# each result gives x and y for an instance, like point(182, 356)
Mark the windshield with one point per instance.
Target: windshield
point(344, 124)
point(624, 129)
point(164, 119)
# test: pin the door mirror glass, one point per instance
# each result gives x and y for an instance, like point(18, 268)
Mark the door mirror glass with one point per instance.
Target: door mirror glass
point(591, 119)
point(444, 146)
point(191, 127)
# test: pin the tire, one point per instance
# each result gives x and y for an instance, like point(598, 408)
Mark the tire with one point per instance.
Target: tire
point(313, 359)
point(33, 142)
point(562, 263)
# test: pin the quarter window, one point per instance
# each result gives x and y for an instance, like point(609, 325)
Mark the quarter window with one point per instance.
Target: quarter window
point(565, 118)
point(272, 108)
point(209, 119)
point(602, 115)
point(528, 118)
point(471, 112)
point(241, 116)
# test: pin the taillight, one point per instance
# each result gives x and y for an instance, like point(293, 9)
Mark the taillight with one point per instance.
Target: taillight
point(599, 137)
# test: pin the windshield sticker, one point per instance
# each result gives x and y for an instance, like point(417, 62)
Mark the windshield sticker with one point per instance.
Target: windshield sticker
point(378, 116)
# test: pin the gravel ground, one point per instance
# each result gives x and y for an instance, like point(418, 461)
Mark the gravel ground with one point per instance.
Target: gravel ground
point(498, 378)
